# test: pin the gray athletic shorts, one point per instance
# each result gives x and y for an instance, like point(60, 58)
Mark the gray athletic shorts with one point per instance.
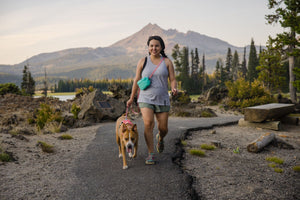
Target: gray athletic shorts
point(155, 108)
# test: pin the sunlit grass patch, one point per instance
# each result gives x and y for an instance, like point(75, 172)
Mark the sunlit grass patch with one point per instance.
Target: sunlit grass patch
point(46, 147)
point(197, 152)
point(207, 146)
point(296, 168)
point(183, 142)
point(275, 160)
point(65, 137)
point(278, 170)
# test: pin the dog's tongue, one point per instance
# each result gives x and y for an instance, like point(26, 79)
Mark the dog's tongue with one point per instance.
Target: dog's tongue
point(129, 150)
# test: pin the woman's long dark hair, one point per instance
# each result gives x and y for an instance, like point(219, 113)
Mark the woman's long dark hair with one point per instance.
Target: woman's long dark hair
point(162, 44)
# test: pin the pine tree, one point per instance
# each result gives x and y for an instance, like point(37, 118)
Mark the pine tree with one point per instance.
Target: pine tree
point(203, 73)
point(235, 66)
point(252, 63)
point(45, 89)
point(228, 65)
point(297, 73)
point(271, 71)
point(28, 83)
point(244, 65)
point(181, 62)
point(222, 74)
point(288, 17)
point(218, 73)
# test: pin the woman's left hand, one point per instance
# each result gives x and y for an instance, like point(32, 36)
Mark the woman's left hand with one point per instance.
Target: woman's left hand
point(174, 91)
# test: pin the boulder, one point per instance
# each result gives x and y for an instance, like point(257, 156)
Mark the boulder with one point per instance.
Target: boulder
point(267, 112)
point(216, 94)
point(97, 107)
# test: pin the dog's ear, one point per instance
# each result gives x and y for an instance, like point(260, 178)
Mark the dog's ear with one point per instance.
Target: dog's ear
point(124, 128)
point(134, 128)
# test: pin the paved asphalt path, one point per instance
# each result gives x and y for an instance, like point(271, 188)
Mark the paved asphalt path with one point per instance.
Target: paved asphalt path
point(100, 175)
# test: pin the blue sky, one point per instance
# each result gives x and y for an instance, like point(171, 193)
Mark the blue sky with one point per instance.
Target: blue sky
point(31, 27)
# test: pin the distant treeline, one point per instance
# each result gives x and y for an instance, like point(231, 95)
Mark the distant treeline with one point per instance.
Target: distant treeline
point(71, 85)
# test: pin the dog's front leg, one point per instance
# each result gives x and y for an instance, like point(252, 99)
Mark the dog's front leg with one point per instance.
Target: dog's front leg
point(135, 151)
point(124, 156)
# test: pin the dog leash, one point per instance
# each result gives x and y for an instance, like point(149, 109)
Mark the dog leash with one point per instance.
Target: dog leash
point(127, 121)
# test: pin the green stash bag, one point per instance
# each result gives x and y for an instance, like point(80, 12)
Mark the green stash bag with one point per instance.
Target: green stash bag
point(145, 82)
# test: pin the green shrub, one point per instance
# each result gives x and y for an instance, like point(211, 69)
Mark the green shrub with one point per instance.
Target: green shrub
point(9, 88)
point(65, 137)
point(197, 152)
point(243, 94)
point(75, 110)
point(4, 157)
point(275, 160)
point(207, 146)
point(205, 113)
point(237, 150)
point(46, 147)
point(47, 114)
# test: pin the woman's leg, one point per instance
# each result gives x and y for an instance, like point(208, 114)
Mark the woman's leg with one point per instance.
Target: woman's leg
point(162, 124)
point(148, 117)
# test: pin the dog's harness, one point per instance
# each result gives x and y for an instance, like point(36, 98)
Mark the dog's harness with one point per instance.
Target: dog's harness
point(126, 121)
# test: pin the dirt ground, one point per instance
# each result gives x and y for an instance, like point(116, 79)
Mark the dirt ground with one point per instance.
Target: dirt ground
point(221, 174)
point(225, 174)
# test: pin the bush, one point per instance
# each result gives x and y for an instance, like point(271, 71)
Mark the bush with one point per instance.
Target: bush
point(4, 157)
point(75, 110)
point(9, 88)
point(243, 94)
point(47, 114)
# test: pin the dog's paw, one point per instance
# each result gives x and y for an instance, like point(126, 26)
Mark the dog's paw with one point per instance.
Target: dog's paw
point(120, 155)
point(125, 167)
point(130, 155)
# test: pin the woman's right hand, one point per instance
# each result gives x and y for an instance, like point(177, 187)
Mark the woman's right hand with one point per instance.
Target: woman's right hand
point(129, 102)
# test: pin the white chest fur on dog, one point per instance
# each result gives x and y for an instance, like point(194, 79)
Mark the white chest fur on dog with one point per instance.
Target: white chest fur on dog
point(127, 139)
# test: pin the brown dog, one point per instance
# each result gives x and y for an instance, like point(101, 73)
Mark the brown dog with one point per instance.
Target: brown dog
point(127, 138)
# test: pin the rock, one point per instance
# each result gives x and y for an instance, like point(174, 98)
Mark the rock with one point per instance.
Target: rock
point(267, 112)
point(182, 98)
point(24, 130)
point(216, 94)
point(119, 92)
point(96, 107)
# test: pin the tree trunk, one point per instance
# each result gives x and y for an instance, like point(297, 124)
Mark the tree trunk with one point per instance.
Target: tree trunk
point(292, 79)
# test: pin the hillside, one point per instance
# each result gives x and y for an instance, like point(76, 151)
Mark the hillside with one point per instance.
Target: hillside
point(118, 60)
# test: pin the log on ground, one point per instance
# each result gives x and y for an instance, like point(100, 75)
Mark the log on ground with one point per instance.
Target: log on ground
point(258, 144)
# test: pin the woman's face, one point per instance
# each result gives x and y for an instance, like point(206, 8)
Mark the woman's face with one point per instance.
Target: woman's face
point(154, 47)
